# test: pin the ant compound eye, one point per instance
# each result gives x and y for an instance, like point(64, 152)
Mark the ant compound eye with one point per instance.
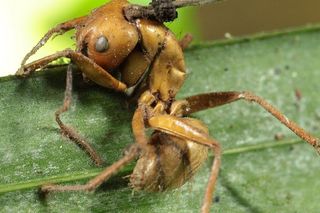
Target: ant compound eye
point(102, 44)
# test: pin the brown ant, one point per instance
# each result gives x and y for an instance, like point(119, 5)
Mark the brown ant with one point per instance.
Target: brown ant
point(119, 39)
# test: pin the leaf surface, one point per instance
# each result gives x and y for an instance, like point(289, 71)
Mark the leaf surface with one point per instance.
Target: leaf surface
point(258, 174)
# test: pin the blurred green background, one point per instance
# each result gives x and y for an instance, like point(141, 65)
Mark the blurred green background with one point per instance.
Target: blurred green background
point(24, 22)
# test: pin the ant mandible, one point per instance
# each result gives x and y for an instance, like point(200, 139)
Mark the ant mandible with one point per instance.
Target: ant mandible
point(130, 41)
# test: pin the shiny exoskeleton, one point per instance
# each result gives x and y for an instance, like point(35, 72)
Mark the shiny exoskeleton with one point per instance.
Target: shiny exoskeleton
point(142, 57)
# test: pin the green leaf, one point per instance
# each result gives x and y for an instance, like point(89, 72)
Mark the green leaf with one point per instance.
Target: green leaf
point(258, 173)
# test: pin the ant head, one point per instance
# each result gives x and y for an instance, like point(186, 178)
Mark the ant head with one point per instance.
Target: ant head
point(106, 36)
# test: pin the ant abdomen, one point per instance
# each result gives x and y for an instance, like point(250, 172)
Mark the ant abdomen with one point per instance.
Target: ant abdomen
point(168, 161)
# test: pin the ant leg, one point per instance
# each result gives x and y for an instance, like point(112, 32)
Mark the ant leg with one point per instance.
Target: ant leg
point(179, 128)
point(185, 41)
point(138, 125)
point(58, 30)
point(98, 180)
point(67, 130)
point(210, 100)
point(131, 154)
point(93, 71)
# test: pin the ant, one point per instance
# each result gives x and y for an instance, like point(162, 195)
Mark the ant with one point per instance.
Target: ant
point(127, 48)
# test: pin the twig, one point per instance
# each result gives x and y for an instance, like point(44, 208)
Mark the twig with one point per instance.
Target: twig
point(161, 10)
